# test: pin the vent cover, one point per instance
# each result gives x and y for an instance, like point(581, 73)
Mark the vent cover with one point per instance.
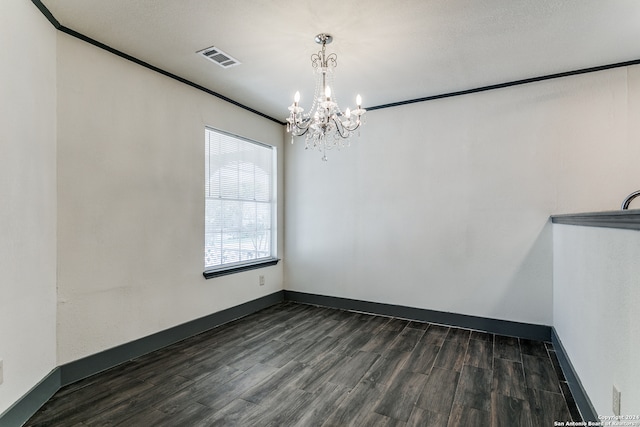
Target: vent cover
point(219, 57)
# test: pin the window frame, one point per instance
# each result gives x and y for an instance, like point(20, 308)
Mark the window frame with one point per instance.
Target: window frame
point(239, 266)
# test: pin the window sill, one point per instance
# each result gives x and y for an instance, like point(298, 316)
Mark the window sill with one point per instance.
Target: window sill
point(210, 274)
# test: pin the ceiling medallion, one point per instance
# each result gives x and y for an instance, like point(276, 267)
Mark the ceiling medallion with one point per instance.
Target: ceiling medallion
point(325, 126)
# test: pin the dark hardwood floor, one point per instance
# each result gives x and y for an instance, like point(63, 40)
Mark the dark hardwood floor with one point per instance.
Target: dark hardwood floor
point(301, 365)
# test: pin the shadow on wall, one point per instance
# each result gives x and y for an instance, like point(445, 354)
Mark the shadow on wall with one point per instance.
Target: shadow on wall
point(530, 282)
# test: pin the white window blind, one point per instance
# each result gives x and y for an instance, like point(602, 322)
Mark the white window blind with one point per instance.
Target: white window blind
point(239, 200)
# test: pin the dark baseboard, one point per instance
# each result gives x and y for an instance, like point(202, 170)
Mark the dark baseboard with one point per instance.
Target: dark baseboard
point(70, 372)
point(495, 326)
point(23, 409)
point(578, 392)
point(90, 365)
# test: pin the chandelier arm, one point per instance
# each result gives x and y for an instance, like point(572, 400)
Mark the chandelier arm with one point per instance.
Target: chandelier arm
point(340, 128)
point(333, 59)
point(351, 129)
point(295, 131)
point(303, 123)
point(316, 60)
point(298, 130)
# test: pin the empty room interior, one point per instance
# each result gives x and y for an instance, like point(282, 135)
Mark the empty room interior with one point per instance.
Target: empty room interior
point(185, 240)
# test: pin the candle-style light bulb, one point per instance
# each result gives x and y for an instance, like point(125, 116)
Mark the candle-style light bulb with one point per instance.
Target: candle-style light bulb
point(327, 92)
point(347, 113)
point(296, 97)
point(359, 101)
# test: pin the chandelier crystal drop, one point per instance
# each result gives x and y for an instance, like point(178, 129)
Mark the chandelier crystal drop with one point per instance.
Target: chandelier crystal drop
point(325, 126)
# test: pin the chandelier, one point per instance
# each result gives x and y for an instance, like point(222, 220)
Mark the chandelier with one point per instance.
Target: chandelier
point(325, 126)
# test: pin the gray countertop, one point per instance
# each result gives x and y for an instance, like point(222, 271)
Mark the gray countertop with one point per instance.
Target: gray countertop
point(627, 219)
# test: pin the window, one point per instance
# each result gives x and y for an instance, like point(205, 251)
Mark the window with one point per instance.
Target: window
point(239, 204)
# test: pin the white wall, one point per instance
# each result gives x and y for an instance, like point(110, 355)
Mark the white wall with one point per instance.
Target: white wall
point(444, 205)
point(27, 198)
point(596, 292)
point(596, 299)
point(131, 202)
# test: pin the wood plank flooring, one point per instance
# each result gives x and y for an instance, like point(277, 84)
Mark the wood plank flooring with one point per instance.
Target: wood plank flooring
point(301, 365)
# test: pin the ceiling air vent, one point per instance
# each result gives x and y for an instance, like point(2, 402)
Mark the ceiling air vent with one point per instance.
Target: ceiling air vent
point(219, 57)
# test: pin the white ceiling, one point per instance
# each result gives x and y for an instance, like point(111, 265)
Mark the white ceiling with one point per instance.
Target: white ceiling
point(388, 51)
